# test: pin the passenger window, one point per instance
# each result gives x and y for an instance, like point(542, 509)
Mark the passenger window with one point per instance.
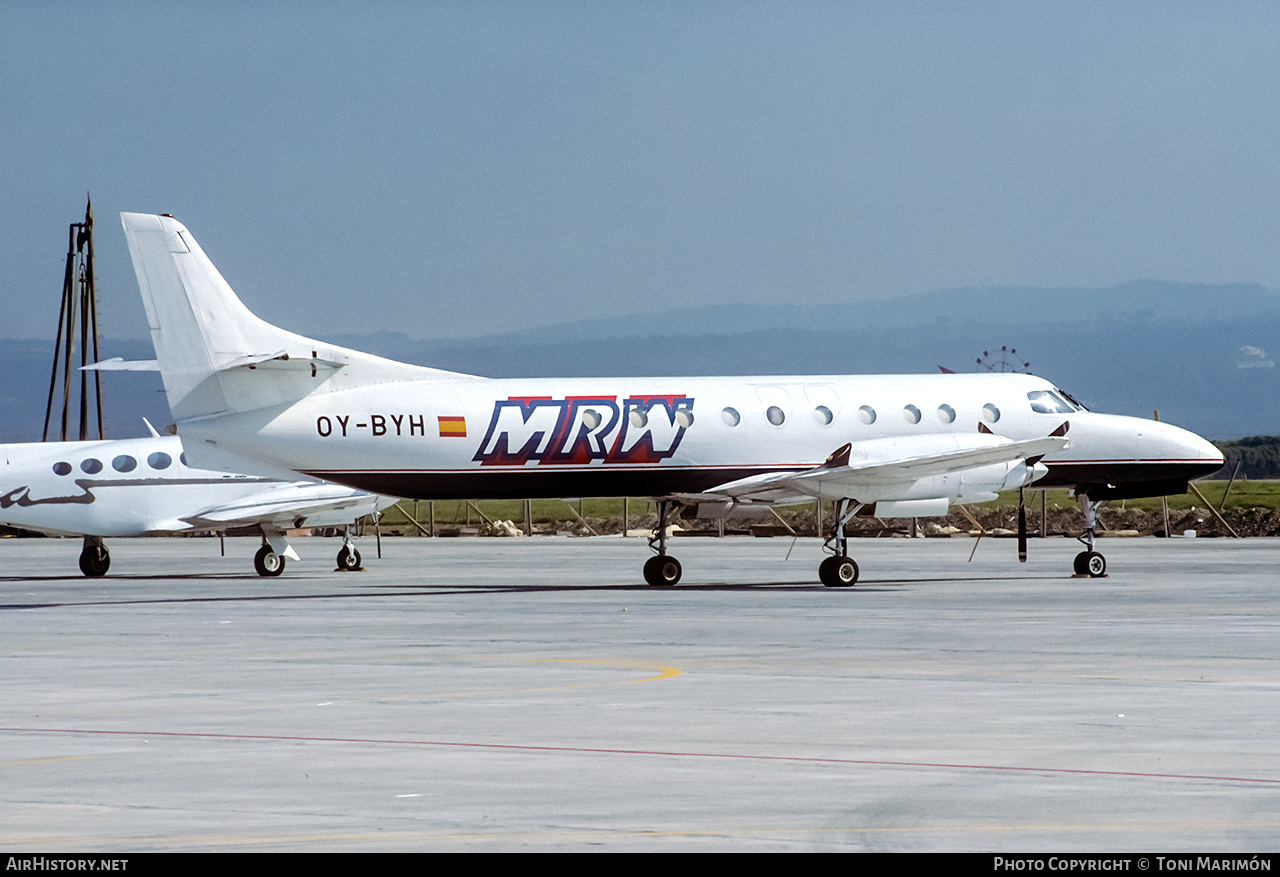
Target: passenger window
point(684, 417)
point(867, 414)
point(159, 460)
point(990, 413)
point(91, 466)
point(823, 415)
point(61, 468)
point(124, 463)
point(731, 416)
point(775, 415)
point(911, 413)
point(946, 413)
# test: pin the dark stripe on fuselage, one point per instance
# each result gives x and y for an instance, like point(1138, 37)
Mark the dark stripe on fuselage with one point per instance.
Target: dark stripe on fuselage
point(1127, 479)
point(546, 482)
point(543, 482)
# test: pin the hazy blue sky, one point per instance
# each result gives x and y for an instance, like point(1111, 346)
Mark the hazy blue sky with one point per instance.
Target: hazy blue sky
point(461, 168)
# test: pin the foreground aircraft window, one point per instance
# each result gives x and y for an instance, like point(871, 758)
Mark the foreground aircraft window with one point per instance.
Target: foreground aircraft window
point(775, 415)
point(1075, 403)
point(911, 413)
point(159, 460)
point(638, 418)
point(990, 413)
point(823, 415)
point(1044, 402)
point(61, 468)
point(867, 414)
point(124, 463)
point(591, 418)
point(182, 458)
point(946, 413)
point(91, 466)
point(731, 416)
point(684, 417)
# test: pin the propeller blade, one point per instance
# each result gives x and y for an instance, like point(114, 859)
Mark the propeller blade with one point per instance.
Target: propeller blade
point(1022, 529)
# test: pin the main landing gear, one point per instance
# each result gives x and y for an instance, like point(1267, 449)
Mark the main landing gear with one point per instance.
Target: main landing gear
point(95, 560)
point(662, 570)
point(1089, 562)
point(839, 570)
point(348, 557)
point(267, 562)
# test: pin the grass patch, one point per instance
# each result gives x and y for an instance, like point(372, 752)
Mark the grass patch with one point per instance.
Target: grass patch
point(453, 513)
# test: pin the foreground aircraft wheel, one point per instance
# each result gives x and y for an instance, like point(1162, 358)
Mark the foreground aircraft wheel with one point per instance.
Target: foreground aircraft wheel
point(348, 559)
point(1095, 564)
point(838, 572)
point(95, 561)
point(662, 571)
point(1090, 563)
point(267, 562)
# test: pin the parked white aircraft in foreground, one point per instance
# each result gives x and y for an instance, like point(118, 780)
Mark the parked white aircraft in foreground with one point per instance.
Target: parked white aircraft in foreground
point(893, 446)
point(140, 487)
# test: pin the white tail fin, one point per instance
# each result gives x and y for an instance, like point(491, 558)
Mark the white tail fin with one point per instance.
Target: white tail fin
point(215, 356)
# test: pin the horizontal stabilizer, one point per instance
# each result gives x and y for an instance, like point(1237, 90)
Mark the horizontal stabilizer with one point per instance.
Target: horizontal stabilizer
point(120, 364)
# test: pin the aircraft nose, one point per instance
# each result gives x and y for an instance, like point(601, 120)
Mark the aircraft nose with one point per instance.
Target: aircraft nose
point(1176, 444)
point(1117, 456)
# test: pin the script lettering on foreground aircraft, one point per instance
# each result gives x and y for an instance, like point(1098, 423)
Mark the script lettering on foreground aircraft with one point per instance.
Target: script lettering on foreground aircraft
point(578, 430)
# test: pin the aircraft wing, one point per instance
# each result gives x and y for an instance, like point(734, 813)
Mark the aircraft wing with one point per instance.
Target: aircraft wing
point(299, 504)
point(900, 469)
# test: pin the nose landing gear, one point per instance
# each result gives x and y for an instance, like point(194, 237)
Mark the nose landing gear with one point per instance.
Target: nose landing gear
point(1089, 562)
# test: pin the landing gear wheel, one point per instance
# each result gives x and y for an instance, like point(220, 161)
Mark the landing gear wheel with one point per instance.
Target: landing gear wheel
point(662, 571)
point(1095, 564)
point(838, 572)
point(348, 559)
point(267, 562)
point(95, 561)
point(1090, 563)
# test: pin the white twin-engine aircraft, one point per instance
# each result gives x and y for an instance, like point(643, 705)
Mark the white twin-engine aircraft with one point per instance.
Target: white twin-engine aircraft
point(139, 487)
point(891, 446)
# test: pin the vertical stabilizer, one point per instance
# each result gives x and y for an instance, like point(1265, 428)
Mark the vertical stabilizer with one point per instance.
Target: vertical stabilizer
point(215, 356)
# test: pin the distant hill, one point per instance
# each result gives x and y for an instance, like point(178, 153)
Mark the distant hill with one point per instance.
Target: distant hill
point(1202, 355)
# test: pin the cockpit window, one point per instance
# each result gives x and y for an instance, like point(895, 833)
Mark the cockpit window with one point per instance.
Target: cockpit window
point(1046, 402)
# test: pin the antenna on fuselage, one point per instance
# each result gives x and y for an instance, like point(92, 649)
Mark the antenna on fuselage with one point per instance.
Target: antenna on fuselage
point(79, 302)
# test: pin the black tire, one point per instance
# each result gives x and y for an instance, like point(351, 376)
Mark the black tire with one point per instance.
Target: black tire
point(267, 562)
point(838, 572)
point(348, 559)
point(662, 571)
point(95, 560)
point(1080, 564)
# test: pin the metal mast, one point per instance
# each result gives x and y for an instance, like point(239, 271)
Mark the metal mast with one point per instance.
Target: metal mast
point(79, 304)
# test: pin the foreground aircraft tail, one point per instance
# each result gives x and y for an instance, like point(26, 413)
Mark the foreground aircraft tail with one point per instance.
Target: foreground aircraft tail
point(213, 352)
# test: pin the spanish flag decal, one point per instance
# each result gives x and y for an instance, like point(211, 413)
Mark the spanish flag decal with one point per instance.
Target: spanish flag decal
point(453, 427)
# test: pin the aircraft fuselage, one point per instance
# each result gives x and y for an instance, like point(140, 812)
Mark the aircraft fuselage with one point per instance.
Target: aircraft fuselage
point(441, 439)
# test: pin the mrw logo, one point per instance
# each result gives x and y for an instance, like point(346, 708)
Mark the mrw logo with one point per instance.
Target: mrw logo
point(579, 430)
